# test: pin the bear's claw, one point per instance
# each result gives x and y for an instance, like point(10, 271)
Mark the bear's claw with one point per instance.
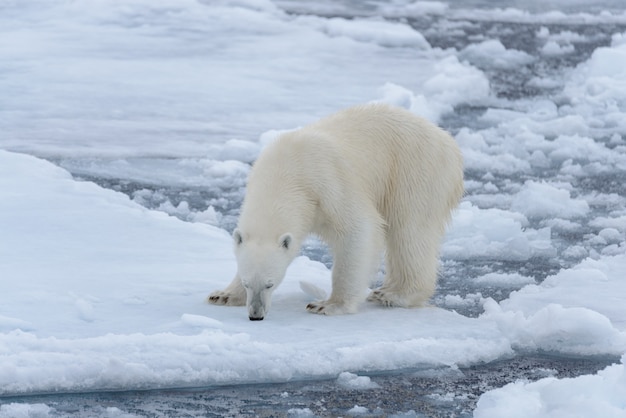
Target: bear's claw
point(218, 300)
point(389, 299)
point(380, 297)
point(223, 298)
point(330, 308)
point(315, 308)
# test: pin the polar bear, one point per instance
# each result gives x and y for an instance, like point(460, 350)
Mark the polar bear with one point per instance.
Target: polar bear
point(367, 179)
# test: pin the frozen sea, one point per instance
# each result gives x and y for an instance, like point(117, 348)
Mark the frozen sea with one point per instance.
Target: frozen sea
point(127, 129)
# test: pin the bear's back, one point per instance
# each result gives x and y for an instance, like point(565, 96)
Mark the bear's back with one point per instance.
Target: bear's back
point(385, 153)
point(396, 155)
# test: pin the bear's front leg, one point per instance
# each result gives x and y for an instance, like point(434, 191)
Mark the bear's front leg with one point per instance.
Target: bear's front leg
point(233, 295)
point(356, 256)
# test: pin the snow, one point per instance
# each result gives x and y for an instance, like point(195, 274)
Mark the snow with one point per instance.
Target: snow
point(300, 412)
point(19, 410)
point(452, 84)
point(601, 394)
point(352, 381)
point(357, 410)
point(554, 48)
point(105, 291)
point(140, 69)
point(504, 280)
point(542, 200)
point(492, 53)
point(380, 32)
point(494, 233)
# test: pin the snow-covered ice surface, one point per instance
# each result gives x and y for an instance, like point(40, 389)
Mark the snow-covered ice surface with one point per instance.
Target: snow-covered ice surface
point(127, 129)
point(601, 394)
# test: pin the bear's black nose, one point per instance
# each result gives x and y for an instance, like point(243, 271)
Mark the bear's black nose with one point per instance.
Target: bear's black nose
point(252, 318)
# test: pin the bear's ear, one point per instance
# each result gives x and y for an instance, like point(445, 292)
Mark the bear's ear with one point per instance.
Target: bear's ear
point(237, 237)
point(285, 240)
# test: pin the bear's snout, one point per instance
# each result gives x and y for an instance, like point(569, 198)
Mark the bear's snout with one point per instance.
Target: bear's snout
point(258, 305)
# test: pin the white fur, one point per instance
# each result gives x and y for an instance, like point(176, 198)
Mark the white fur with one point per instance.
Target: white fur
point(368, 178)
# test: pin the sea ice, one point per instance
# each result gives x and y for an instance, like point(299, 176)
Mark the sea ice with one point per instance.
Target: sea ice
point(100, 292)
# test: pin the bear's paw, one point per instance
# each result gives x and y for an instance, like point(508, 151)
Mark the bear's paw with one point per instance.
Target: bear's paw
point(386, 298)
point(329, 308)
point(225, 298)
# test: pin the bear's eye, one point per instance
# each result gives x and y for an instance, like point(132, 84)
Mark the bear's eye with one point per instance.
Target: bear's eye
point(269, 285)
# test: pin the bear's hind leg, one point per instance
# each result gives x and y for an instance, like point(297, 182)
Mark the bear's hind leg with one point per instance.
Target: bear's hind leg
point(233, 295)
point(412, 265)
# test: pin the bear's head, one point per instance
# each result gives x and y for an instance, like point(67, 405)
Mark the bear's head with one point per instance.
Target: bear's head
point(261, 266)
